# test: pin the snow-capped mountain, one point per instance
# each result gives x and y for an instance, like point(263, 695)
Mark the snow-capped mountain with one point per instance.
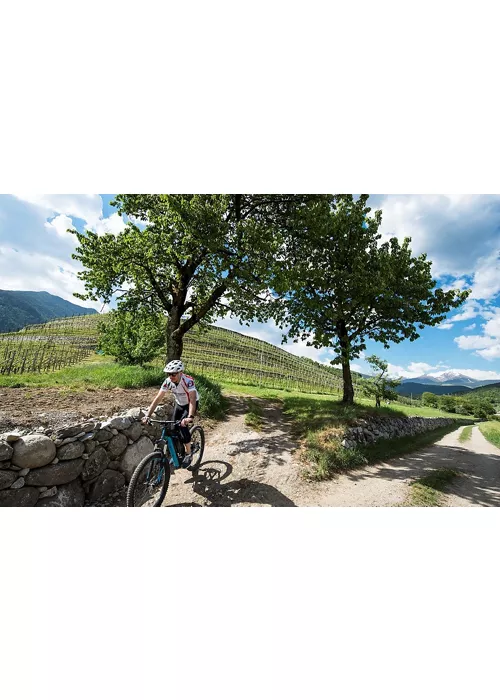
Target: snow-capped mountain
point(450, 378)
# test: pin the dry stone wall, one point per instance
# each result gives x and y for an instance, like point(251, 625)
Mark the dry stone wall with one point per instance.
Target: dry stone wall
point(368, 431)
point(76, 465)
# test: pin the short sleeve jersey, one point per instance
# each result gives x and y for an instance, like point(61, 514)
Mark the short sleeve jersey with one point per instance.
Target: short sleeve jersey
point(181, 390)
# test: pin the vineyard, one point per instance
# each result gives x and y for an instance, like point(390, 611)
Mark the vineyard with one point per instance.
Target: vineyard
point(214, 352)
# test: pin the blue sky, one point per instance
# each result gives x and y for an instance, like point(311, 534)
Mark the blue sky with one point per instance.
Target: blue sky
point(459, 233)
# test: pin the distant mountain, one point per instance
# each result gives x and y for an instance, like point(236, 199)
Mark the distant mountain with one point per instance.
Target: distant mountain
point(19, 309)
point(408, 387)
point(450, 378)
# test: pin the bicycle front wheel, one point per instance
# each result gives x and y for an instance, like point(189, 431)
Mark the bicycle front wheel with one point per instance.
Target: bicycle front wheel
point(149, 482)
point(197, 445)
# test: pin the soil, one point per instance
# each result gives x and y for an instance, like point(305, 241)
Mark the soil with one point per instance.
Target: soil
point(245, 467)
point(51, 407)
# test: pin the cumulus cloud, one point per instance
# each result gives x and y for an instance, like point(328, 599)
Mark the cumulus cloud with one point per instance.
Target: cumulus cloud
point(454, 230)
point(445, 326)
point(470, 328)
point(60, 225)
point(87, 207)
point(41, 273)
point(487, 345)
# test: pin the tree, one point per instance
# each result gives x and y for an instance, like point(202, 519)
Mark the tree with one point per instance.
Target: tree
point(429, 399)
point(191, 257)
point(380, 386)
point(447, 403)
point(342, 286)
point(133, 338)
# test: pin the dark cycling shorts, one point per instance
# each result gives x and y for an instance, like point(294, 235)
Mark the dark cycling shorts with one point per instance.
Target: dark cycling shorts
point(179, 413)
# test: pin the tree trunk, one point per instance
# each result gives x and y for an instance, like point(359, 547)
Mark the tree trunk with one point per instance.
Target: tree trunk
point(346, 369)
point(175, 339)
point(348, 388)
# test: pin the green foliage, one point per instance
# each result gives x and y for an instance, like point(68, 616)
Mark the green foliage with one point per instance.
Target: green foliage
point(429, 399)
point(193, 257)
point(380, 387)
point(132, 338)
point(341, 285)
point(212, 403)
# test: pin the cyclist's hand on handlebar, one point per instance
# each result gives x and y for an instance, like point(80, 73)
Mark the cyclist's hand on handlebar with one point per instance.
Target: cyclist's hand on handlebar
point(146, 420)
point(187, 422)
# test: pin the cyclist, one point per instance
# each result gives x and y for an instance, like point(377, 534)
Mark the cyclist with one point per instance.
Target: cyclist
point(186, 403)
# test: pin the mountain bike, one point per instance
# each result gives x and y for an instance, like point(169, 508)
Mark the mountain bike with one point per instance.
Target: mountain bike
point(149, 483)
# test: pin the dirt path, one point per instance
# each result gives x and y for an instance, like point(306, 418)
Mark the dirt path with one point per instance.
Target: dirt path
point(260, 468)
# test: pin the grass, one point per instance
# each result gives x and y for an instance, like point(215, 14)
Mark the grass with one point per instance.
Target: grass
point(465, 434)
point(428, 491)
point(491, 431)
point(320, 421)
point(254, 417)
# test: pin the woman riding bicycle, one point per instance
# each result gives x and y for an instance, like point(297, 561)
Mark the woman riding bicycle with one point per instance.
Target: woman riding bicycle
point(186, 403)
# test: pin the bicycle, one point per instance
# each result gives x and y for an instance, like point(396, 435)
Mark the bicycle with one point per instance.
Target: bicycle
point(149, 483)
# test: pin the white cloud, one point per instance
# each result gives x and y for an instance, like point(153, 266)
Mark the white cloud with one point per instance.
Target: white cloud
point(487, 277)
point(419, 368)
point(60, 224)
point(113, 224)
point(487, 345)
point(454, 230)
point(470, 328)
point(87, 207)
point(459, 284)
point(41, 273)
point(445, 326)
point(470, 309)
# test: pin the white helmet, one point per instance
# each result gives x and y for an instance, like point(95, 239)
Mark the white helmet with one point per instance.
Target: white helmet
point(174, 366)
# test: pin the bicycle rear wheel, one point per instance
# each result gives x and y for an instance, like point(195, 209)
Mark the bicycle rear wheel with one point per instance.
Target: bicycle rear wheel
point(149, 482)
point(197, 445)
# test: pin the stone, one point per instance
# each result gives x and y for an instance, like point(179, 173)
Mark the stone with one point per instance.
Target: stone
point(95, 464)
point(108, 482)
point(48, 492)
point(117, 423)
point(33, 451)
point(55, 461)
point(18, 484)
point(43, 488)
point(133, 455)
point(103, 434)
point(7, 478)
point(69, 440)
point(87, 437)
point(117, 445)
point(85, 455)
point(56, 474)
point(135, 413)
point(71, 451)
point(74, 430)
point(134, 432)
point(6, 451)
point(23, 472)
point(9, 466)
point(68, 496)
point(10, 437)
point(90, 446)
point(18, 498)
point(114, 465)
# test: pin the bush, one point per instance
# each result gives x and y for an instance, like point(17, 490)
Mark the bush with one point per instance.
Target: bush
point(132, 338)
point(212, 403)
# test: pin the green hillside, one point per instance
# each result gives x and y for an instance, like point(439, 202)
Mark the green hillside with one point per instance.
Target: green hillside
point(20, 309)
point(214, 352)
point(490, 392)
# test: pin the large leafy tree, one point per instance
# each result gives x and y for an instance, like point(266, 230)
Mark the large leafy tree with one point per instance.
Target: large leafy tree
point(342, 285)
point(191, 257)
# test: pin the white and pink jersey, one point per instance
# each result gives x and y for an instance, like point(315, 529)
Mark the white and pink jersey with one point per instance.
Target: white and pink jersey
point(181, 390)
